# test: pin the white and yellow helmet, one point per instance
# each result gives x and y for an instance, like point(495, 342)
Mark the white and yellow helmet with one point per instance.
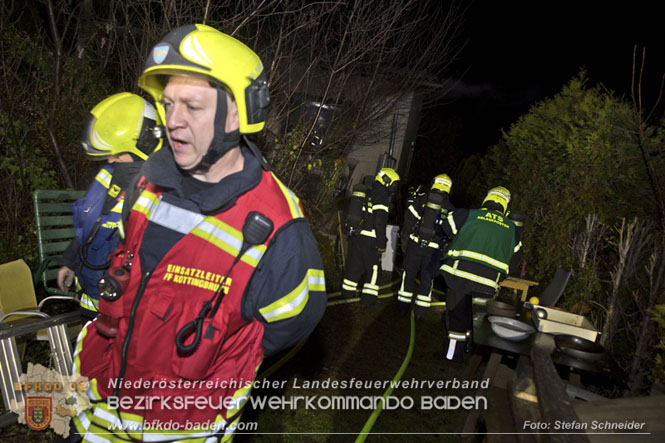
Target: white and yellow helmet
point(387, 176)
point(499, 195)
point(443, 183)
point(123, 122)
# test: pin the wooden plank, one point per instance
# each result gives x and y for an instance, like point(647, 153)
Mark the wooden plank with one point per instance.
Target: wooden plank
point(58, 233)
point(648, 413)
point(523, 281)
point(499, 426)
point(59, 194)
point(472, 366)
point(519, 284)
point(574, 391)
point(503, 376)
point(57, 246)
point(553, 402)
point(474, 414)
point(57, 207)
point(56, 220)
point(523, 401)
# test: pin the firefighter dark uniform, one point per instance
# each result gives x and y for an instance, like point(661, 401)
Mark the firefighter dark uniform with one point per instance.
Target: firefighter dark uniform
point(483, 243)
point(356, 208)
point(195, 305)
point(365, 249)
point(422, 242)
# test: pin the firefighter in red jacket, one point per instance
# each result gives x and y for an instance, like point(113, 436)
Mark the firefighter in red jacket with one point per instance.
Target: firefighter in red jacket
point(478, 259)
point(366, 247)
point(218, 267)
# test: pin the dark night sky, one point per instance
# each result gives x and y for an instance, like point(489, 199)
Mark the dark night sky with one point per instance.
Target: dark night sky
point(521, 52)
point(545, 42)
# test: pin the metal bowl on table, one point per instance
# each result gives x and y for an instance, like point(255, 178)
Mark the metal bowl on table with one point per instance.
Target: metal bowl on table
point(578, 347)
point(509, 328)
point(501, 308)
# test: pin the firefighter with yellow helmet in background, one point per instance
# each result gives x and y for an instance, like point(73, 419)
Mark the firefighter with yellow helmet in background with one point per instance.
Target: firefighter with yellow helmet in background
point(483, 243)
point(420, 243)
point(122, 130)
point(366, 247)
point(218, 268)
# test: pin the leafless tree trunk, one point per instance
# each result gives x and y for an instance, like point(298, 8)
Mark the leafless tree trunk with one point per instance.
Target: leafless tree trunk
point(584, 251)
point(57, 66)
point(634, 237)
point(585, 245)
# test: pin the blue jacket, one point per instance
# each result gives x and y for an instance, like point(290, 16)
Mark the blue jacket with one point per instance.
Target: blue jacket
point(96, 219)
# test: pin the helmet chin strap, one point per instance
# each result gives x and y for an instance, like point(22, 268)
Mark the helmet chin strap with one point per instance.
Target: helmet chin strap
point(257, 153)
point(222, 141)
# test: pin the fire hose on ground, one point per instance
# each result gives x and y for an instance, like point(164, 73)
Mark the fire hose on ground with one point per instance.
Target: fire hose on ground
point(366, 430)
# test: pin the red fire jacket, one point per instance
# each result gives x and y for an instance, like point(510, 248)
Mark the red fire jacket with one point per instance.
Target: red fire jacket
point(211, 384)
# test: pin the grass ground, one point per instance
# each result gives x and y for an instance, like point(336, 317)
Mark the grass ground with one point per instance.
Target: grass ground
point(355, 342)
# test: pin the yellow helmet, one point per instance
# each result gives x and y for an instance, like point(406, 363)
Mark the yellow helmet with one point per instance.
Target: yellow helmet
point(120, 123)
point(387, 176)
point(203, 50)
point(499, 195)
point(442, 183)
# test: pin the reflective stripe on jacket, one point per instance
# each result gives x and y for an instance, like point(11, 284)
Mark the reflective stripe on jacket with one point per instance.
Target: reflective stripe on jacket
point(376, 220)
point(485, 237)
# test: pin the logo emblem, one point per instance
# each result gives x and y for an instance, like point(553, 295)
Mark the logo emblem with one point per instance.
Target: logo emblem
point(38, 412)
point(160, 53)
point(114, 191)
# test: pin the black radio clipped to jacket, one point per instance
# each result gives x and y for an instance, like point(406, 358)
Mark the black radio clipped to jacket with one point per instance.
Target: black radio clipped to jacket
point(114, 283)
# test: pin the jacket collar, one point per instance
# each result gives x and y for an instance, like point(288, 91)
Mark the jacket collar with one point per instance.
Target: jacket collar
point(161, 170)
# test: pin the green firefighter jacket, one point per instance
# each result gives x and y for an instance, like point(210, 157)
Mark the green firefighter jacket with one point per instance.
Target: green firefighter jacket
point(483, 243)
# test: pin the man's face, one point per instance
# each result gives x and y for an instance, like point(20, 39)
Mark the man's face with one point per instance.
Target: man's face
point(191, 104)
